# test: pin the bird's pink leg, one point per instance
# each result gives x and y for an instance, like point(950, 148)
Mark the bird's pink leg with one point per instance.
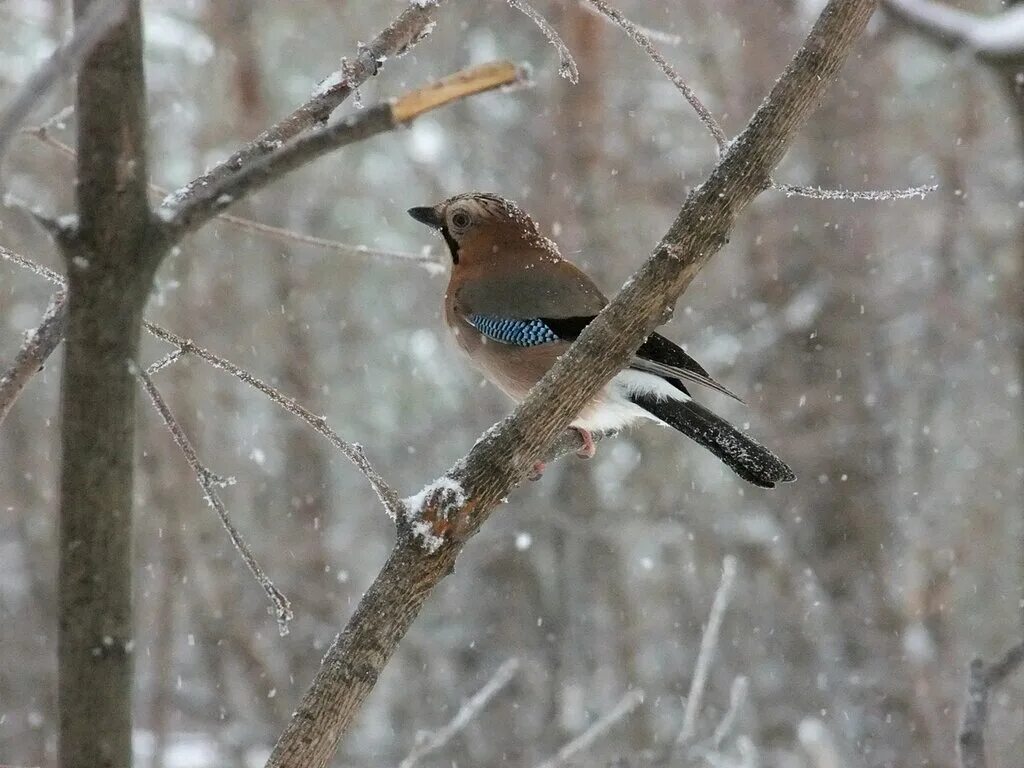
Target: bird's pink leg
point(538, 471)
point(588, 449)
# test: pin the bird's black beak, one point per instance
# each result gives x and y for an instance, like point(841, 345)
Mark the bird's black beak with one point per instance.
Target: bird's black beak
point(427, 214)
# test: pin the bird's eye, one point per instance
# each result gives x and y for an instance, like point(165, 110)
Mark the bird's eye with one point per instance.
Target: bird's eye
point(460, 219)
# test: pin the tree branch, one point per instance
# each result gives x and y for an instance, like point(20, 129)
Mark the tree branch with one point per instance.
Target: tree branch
point(33, 353)
point(411, 26)
point(206, 202)
point(981, 681)
point(90, 28)
point(431, 742)
point(995, 39)
point(464, 497)
point(209, 482)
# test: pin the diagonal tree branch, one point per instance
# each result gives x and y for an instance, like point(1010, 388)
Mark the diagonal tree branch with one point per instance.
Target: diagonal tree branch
point(414, 24)
point(38, 346)
point(995, 39)
point(450, 510)
point(97, 20)
point(207, 202)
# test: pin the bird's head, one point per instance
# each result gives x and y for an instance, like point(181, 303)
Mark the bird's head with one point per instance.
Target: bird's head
point(481, 225)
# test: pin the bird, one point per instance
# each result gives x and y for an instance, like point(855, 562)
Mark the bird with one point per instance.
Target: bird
point(514, 305)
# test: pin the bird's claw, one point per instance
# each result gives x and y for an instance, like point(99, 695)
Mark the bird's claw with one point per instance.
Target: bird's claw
point(588, 449)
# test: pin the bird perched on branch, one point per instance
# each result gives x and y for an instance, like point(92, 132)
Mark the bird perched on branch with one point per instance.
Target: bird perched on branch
point(514, 305)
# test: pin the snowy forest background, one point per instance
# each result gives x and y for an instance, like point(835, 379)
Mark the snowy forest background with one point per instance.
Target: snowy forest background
point(880, 346)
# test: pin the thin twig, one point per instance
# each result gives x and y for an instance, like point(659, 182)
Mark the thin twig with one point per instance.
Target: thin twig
point(209, 482)
point(626, 705)
point(97, 20)
point(183, 215)
point(643, 40)
point(352, 451)
point(37, 269)
point(38, 346)
point(706, 654)
point(737, 698)
point(566, 64)
point(655, 35)
point(981, 680)
point(818, 193)
point(427, 259)
point(411, 26)
point(473, 706)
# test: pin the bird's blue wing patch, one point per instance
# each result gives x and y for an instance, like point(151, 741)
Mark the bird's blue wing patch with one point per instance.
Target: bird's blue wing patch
point(507, 330)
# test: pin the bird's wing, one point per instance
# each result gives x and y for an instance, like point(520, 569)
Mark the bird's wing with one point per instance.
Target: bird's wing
point(530, 290)
point(656, 355)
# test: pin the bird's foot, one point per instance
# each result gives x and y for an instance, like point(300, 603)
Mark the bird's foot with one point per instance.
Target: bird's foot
point(538, 471)
point(588, 449)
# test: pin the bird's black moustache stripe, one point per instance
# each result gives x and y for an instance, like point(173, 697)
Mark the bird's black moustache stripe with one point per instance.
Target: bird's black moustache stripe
point(452, 245)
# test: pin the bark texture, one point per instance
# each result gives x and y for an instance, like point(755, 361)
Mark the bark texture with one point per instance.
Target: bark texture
point(110, 265)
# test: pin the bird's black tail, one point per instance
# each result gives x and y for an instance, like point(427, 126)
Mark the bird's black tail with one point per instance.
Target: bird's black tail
point(743, 455)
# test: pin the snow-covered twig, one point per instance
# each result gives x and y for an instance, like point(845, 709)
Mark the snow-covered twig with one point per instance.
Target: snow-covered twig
point(433, 741)
point(643, 40)
point(352, 451)
point(982, 679)
point(626, 705)
point(38, 346)
point(996, 39)
point(181, 215)
point(426, 259)
point(97, 20)
point(706, 654)
point(819, 193)
point(737, 698)
point(409, 28)
point(209, 482)
point(655, 35)
point(566, 63)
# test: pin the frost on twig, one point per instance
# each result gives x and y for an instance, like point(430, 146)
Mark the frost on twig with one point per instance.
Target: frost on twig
point(209, 483)
point(566, 64)
point(585, 740)
point(655, 35)
point(642, 39)
point(429, 742)
point(38, 346)
point(706, 654)
point(352, 451)
point(817, 193)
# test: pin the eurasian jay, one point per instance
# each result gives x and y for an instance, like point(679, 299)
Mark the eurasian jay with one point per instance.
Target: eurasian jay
point(514, 305)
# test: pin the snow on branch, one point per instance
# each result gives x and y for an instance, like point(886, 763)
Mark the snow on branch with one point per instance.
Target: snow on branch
point(409, 28)
point(997, 38)
point(37, 347)
point(566, 63)
point(429, 742)
point(183, 215)
point(642, 38)
point(818, 193)
point(94, 24)
point(209, 483)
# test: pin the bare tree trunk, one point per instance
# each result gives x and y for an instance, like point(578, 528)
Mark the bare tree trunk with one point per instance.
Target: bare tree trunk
point(110, 265)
